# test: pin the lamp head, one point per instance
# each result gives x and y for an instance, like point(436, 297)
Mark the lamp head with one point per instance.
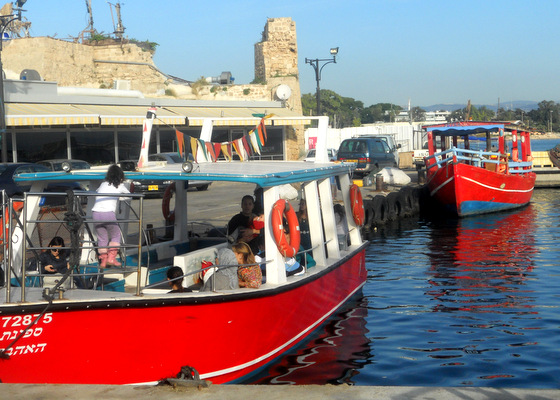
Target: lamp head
point(334, 51)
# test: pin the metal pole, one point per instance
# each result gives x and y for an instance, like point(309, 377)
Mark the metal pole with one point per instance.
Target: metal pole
point(3, 110)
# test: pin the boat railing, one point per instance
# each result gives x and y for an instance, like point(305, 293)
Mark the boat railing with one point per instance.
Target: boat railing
point(490, 160)
point(22, 267)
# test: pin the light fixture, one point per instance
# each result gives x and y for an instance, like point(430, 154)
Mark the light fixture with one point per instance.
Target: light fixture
point(66, 166)
point(334, 51)
point(187, 166)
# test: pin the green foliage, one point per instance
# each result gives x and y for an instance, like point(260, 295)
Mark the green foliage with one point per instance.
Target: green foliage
point(145, 45)
point(198, 85)
point(246, 91)
point(170, 92)
point(98, 37)
point(258, 81)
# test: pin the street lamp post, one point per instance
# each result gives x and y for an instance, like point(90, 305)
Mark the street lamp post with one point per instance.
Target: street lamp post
point(6, 20)
point(316, 64)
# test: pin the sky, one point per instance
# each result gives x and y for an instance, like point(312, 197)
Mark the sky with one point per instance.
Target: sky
point(390, 51)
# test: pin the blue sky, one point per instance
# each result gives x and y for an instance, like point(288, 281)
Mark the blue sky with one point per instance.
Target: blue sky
point(428, 51)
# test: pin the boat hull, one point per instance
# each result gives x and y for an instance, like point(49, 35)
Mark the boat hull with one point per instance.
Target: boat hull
point(144, 340)
point(468, 190)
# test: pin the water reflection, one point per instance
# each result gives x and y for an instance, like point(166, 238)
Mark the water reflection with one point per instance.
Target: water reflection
point(334, 355)
point(480, 264)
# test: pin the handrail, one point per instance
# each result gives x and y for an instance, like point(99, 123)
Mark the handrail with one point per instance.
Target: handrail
point(479, 158)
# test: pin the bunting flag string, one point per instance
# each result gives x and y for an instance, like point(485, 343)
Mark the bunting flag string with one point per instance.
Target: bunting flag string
point(245, 147)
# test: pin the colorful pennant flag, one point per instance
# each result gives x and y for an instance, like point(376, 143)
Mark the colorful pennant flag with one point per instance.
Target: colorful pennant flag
point(194, 147)
point(180, 142)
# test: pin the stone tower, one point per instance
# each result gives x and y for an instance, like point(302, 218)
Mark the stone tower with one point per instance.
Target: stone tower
point(276, 63)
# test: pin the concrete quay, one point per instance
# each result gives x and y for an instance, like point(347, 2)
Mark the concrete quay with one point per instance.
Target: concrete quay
point(268, 392)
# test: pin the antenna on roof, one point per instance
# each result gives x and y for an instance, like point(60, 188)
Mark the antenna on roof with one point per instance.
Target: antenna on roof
point(119, 29)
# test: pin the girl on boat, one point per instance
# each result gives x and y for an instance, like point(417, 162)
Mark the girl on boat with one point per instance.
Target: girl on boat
point(54, 259)
point(105, 218)
point(249, 273)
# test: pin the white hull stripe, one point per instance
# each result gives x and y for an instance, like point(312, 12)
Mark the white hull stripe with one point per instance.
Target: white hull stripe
point(275, 351)
point(497, 188)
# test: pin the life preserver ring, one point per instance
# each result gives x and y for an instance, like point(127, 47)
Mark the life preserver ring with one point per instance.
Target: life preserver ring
point(280, 209)
point(357, 205)
point(168, 214)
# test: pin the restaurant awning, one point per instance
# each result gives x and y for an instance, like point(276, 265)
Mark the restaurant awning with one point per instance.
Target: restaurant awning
point(33, 114)
point(42, 114)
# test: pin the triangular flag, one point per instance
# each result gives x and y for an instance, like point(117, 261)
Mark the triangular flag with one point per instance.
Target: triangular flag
point(203, 148)
point(255, 142)
point(262, 130)
point(246, 146)
point(238, 148)
point(226, 151)
point(217, 149)
point(180, 142)
point(210, 151)
point(194, 147)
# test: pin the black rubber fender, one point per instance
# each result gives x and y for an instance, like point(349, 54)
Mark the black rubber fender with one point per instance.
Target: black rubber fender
point(380, 210)
point(394, 207)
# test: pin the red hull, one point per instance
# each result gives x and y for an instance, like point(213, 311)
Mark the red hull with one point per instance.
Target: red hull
point(146, 340)
point(469, 190)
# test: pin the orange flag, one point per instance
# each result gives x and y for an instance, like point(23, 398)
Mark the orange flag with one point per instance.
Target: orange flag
point(180, 142)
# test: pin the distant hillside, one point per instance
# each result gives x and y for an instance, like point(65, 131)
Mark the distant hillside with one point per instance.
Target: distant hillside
point(522, 104)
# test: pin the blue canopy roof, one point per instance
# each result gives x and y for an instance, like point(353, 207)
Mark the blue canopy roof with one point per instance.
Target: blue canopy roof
point(464, 130)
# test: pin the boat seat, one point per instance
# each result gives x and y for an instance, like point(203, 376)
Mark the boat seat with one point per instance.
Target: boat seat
point(191, 262)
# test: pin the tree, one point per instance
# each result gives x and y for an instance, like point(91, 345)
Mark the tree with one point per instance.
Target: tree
point(417, 114)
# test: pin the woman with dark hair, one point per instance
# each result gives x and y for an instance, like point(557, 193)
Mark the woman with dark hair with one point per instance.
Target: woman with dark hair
point(104, 215)
point(54, 259)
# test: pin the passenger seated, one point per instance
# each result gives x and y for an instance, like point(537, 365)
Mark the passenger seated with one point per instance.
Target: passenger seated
point(242, 220)
point(248, 272)
point(341, 226)
point(175, 278)
point(54, 259)
point(221, 278)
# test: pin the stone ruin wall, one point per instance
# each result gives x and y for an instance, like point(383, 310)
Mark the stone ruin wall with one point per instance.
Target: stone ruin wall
point(276, 63)
point(80, 65)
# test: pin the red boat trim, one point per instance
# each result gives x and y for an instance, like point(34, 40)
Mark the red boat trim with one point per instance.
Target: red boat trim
point(278, 349)
point(497, 188)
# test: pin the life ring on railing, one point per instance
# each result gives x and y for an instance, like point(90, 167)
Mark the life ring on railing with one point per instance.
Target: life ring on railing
point(168, 214)
point(280, 209)
point(357, 205)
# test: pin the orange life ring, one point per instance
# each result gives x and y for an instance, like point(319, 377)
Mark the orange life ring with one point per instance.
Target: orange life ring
point(280, 209)
point(168, 214)
point(358, 212)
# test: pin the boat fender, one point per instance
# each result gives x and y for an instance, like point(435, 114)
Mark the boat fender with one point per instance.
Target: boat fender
point(168, 214)
point(379, 210)
point(280, 210)
point(394, 206)
point(370, 214)
point(515, 155)
point(357, 205)
point(405, 197)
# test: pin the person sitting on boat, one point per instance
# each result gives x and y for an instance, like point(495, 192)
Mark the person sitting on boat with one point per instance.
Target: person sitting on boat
point(225, 276)
point(241, 221)
point(175, 278)
point(105, 219)
point(341, 226)
point(54, 259)
point(248, 272)
point(303, 221)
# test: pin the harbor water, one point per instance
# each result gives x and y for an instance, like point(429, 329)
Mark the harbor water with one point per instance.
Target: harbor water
point(471, 302)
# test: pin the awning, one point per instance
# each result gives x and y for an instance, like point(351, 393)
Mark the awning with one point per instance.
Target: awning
point(40, 114)
point(238, 116)
point(131, 115)
point(32, 114)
